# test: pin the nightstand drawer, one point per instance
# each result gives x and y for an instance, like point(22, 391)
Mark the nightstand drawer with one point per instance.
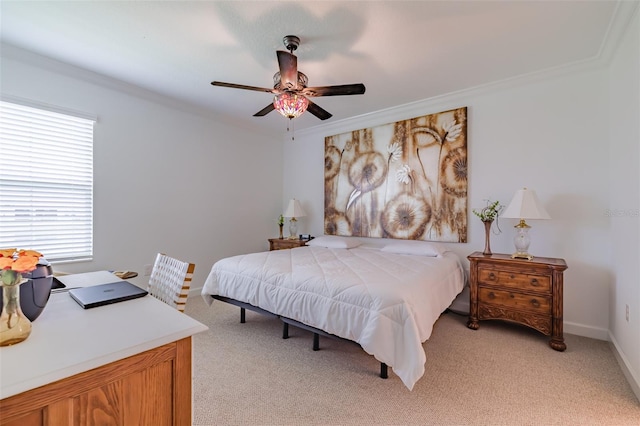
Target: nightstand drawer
point(509, 299)
point(514, 280)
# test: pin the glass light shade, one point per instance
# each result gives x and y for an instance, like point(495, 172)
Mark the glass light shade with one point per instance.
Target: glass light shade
point(290, 105)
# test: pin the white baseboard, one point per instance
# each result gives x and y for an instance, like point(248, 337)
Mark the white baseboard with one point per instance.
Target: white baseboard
point(632, 376)
point(462, 305)
point(603, 334)
point(586, 331)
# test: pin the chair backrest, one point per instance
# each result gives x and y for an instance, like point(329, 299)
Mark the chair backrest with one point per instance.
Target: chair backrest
point(170, 280)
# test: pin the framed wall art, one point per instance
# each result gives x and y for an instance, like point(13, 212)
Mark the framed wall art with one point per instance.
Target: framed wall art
point(404, 180)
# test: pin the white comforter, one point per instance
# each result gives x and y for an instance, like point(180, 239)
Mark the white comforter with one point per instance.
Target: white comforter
point(386, 302)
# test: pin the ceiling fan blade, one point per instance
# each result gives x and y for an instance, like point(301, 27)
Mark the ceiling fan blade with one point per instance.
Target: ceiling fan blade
point(345, 89)
point(264, 111)
point(319, 112)
point(288, 64)
point(241, 86)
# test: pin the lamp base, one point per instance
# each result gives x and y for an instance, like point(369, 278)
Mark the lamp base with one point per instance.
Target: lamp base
point(293, 229)
point(521, 256)
point(522, 241)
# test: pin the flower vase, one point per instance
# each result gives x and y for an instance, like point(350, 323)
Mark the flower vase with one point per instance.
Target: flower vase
point(15, 327)
point(487, 237)
point(281, 226)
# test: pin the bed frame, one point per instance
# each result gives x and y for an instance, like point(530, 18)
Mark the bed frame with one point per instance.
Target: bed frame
point(384, 370)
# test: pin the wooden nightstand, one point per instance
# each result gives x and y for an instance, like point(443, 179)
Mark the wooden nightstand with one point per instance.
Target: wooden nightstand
point(528, 292)
point(285, 243)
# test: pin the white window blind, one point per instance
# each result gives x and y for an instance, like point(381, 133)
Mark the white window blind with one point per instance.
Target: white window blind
point(46, 182)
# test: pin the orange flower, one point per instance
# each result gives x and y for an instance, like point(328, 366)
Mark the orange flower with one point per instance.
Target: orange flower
point(6, 263)
point(7, 252)
point(26, 260)
point(25, 263)
point(30, 253)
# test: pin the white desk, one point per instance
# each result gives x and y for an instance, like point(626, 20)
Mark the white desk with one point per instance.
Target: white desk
point(67, 340)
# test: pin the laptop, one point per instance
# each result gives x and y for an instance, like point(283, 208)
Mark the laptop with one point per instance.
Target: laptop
point(106, 294)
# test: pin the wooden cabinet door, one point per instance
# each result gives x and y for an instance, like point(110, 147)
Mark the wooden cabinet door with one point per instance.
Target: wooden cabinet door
point(151, 388)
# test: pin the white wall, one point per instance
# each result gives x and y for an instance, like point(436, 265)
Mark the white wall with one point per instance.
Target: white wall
point(571, 134)
point(624, 190)
point(561, 133)
point(165, 180)
point(549, 134)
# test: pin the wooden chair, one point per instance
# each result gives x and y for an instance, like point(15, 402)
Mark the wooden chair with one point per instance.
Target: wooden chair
point(170, 281)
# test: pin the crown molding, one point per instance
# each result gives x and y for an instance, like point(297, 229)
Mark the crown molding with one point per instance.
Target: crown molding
point(50, 64)
point(68, 70)
point(623, 15)
point(445, 101)
point(620, 21)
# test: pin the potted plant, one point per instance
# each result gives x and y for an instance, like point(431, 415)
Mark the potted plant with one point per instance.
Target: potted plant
point(281, 224)
point(487, 215)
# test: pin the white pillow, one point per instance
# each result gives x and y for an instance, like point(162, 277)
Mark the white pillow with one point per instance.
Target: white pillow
point(333, 241)
point(420, 248)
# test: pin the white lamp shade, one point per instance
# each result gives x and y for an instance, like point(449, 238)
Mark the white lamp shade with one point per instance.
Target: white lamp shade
point(525, 205)
point(294, 209)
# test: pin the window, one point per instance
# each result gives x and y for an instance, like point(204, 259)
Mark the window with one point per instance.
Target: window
point(46, 181)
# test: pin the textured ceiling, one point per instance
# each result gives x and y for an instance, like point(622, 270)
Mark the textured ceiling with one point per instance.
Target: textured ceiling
point(402, 51)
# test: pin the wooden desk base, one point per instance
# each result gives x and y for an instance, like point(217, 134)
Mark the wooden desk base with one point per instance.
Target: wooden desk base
point(151, 388)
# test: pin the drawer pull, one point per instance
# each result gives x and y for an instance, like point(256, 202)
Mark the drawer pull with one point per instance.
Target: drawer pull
point(491, 295)
point(492, 276)
point(534, 282)
point(535, 303)
point(512, 276)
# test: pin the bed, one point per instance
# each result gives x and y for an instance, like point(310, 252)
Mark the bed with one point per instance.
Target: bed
point(384, 297)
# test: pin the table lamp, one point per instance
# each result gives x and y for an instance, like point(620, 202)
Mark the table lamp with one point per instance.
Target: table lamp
point(524, 205)
point(294, 210)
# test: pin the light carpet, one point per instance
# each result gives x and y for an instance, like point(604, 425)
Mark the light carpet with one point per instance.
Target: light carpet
point(501, 374)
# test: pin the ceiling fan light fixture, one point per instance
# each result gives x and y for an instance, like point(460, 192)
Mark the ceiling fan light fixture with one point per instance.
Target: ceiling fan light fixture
point(290, 105)
point(290, 87)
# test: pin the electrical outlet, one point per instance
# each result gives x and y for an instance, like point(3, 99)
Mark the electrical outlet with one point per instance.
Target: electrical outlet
point(626, 314)
point(147, 270)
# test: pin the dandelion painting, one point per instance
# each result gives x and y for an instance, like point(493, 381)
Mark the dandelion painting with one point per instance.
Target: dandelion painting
point(405, 180)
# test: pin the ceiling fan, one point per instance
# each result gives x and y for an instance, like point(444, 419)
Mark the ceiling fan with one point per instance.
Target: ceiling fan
point(290, 87)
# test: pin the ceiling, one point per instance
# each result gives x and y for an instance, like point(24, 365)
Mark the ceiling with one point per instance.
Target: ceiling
point(402, 51)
